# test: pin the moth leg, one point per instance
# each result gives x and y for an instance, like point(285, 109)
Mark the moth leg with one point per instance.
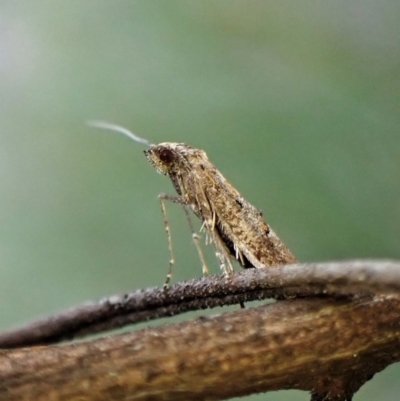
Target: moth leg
point(196, 241)
point(195, 237)
point(162, 198)
point(221, 252)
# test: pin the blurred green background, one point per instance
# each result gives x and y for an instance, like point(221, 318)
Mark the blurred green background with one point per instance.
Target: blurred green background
point(297, 104)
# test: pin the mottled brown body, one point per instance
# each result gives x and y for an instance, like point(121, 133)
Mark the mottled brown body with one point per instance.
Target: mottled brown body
point(235, 227)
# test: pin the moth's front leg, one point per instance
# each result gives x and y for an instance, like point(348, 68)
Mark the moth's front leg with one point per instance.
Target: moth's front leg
point(180, 201)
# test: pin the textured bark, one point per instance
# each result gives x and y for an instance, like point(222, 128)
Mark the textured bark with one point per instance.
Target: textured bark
point(327, 346)
point(301, 280)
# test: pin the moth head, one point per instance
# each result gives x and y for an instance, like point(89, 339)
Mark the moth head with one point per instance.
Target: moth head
point(164, 157)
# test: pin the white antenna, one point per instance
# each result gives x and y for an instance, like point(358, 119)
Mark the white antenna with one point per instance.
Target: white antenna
point(117, 128)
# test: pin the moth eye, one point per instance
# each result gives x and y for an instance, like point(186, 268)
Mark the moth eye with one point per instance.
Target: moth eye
point(166, 155)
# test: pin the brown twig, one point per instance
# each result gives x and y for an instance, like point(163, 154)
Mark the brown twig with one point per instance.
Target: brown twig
point(301, 280)
point(329, 347)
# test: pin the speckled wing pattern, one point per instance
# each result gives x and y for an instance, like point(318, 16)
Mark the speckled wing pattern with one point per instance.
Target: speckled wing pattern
point(235, 227)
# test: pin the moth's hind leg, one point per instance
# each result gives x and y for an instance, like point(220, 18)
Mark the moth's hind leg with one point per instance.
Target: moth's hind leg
point(196, 237)
point(221, 252)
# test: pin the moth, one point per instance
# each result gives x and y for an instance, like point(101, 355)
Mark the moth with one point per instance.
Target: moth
point(235, 228)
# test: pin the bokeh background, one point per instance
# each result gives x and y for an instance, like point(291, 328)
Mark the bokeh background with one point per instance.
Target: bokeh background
point(297, 103)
